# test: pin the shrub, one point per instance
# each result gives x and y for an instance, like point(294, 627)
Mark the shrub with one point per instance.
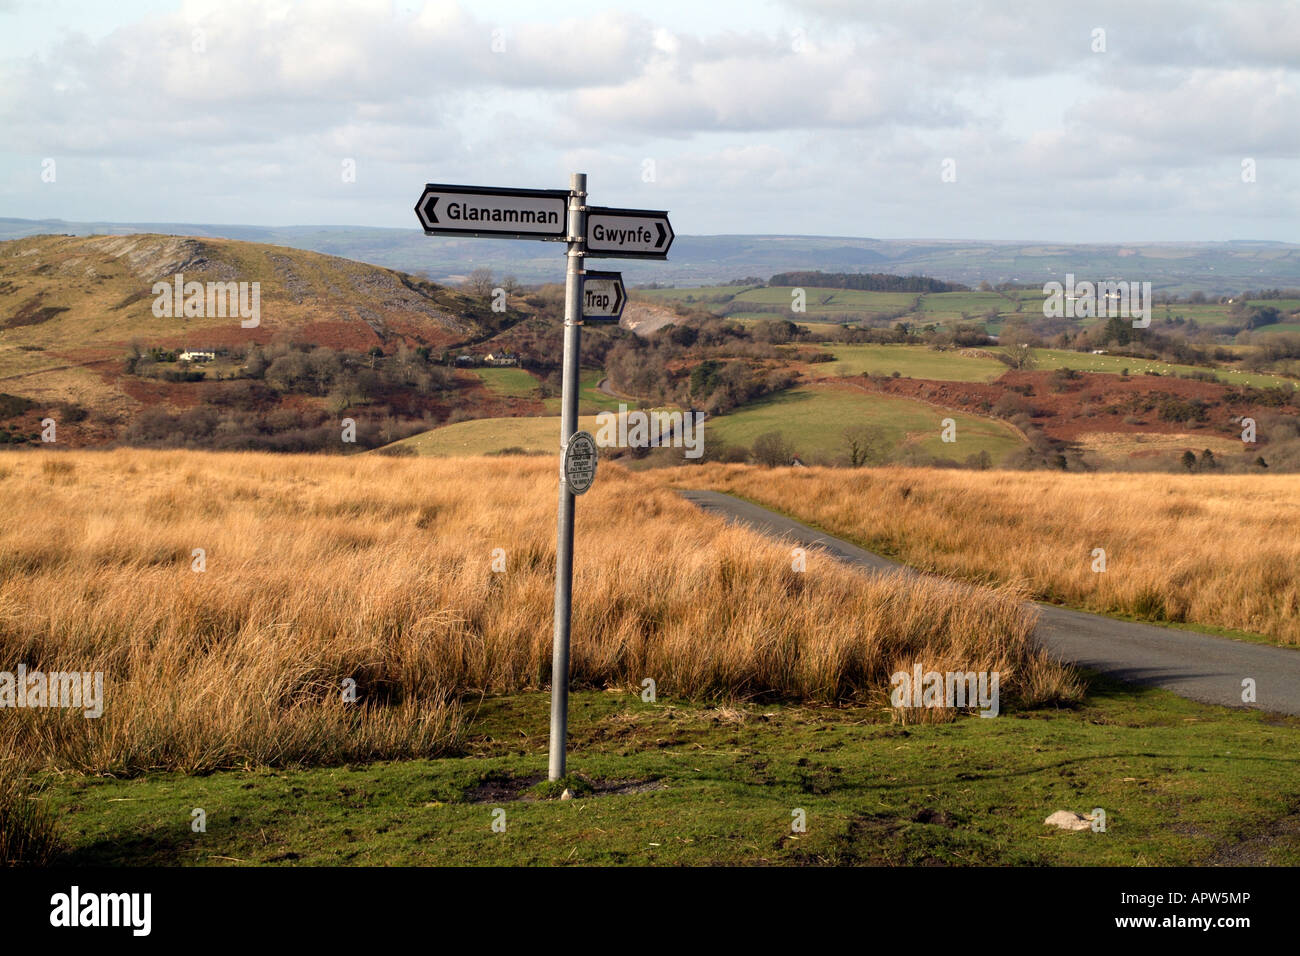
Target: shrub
point(773, 450)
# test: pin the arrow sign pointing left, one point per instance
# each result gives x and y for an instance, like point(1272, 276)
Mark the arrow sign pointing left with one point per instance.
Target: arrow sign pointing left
point(493, 213)
point(603, 296)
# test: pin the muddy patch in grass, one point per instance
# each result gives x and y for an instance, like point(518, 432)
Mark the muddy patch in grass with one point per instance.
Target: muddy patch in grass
point(501, 787)
point(1264, 847)
point(936, 817)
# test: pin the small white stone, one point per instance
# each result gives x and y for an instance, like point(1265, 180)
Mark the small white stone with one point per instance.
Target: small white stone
point(1067, 820)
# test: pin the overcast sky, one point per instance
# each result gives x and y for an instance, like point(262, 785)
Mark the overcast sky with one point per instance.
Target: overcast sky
point(817, 117)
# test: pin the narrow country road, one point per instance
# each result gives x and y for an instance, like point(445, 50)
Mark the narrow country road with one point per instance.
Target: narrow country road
point(1196, 666)
point(603, 387)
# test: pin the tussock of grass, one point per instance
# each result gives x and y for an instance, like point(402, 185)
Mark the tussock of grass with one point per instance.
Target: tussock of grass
point(379, 571)
point(28, 832)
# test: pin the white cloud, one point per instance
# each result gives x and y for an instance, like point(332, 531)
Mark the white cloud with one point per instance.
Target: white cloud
point(771, 119)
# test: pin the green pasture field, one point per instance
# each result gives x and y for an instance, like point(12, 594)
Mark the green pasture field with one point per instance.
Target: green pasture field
point(508, 382)
point(813, 419)
point(1087, 362)
point(912, 361)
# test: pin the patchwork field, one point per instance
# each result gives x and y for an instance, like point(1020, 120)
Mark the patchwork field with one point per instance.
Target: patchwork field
point(945, 309)
point(1086, 362)
point(974, 303)
point(813, 418)
point(914, 361)
point(829, 300)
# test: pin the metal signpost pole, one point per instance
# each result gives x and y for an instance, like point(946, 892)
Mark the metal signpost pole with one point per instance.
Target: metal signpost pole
point(568, 425)
point(491, 212)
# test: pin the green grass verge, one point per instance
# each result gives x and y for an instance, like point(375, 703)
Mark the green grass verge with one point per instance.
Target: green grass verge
point(1181, 783)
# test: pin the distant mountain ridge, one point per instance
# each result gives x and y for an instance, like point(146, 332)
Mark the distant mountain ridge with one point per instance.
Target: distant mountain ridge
point(1211, 267)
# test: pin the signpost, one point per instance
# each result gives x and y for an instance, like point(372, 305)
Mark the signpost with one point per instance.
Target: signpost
point(492, 213)
point(628, 233)
point(559, 215)
point(603, 296)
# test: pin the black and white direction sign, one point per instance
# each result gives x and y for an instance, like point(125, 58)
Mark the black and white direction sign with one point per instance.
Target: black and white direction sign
point(603, 296)
point(628, 233)
point(494, 213)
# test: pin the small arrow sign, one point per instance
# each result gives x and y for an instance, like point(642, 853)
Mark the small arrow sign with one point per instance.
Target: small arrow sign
point(603, 296)
point(493, 213)
point(628, 233)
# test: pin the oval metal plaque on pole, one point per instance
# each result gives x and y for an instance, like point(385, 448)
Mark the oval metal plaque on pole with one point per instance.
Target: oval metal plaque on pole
point(579, 462)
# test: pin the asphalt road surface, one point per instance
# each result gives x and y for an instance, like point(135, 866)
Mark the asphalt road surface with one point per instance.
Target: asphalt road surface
point(1196, 666)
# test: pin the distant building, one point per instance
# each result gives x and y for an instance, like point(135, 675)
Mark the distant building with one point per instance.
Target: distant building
point(502, 358)
point(190, 355)
point(1098, 351)
point(464, 360)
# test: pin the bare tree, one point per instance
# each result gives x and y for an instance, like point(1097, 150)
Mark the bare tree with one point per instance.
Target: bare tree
point(773, 450)
point(479, 282)
point(1018, 342)
point(865, 444)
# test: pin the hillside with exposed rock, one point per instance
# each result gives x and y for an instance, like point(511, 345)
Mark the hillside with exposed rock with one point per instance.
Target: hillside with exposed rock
point(91, 330)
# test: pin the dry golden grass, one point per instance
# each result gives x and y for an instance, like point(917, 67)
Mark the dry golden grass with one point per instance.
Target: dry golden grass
point(1213, 550)
point(378, 569)
point(1121, 446)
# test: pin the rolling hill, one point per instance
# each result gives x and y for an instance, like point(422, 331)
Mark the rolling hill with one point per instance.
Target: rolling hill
point(89, 338)
point(69, 292)
point(71, 308)
point(1176, 267)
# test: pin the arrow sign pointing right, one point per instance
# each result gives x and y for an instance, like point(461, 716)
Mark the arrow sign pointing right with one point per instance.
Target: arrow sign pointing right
point(628, 233)
point(603, 296)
